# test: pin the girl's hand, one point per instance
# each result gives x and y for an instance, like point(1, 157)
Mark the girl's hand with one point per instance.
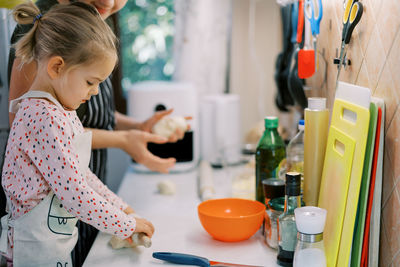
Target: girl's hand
point(129, 210)
point(144, 226)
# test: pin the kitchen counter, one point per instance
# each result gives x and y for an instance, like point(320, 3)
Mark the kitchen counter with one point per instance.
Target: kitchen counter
point(177, 227)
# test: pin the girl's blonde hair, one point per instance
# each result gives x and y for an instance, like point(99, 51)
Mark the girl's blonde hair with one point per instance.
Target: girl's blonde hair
point(76, 32)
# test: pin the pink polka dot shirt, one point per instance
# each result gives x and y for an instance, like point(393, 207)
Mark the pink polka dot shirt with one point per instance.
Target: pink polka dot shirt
point(40, 157)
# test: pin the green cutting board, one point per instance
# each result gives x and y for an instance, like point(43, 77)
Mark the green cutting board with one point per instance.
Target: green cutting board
point(365, 181)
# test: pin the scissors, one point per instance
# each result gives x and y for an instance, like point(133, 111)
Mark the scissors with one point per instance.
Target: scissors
point(352, 15)
point(313, 12)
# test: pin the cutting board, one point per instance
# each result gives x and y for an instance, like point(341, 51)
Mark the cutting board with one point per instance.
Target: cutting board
point(343, 165)
point(366, 236)
point(364, 191)
point(374, 233)
point(334, 187)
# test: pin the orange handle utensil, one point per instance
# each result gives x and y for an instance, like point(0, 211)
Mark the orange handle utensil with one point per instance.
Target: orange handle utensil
point(300, 22)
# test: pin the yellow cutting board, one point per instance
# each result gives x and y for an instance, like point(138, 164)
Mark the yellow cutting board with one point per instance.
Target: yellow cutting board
point(343, 165)
point(334, 187)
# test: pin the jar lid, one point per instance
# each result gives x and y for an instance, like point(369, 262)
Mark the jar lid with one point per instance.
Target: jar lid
point(310, 220)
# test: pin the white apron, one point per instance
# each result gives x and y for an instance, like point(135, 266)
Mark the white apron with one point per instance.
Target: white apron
point(46, 235)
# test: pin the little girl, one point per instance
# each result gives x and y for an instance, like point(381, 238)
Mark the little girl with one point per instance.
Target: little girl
point(45, 176)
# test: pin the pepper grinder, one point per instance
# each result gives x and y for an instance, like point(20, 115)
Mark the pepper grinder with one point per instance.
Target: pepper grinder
point(310, 250)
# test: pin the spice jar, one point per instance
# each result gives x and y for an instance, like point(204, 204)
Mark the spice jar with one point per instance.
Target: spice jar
point(273, 188)
point(275, 208)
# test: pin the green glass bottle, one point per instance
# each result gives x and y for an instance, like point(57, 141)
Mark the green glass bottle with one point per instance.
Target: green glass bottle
point(269, 155)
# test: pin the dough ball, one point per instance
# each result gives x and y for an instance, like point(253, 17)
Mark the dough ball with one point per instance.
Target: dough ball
point(138, 239)
point(118, 243)
point(168, 125)
point(166, 187)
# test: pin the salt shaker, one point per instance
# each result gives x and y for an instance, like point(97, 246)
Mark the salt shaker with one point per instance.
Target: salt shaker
point(310, 250)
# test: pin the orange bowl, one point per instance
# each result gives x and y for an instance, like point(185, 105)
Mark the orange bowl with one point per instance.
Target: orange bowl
point(231, 219)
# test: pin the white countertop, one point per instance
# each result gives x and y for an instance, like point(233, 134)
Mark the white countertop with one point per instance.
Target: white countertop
point(177, 227)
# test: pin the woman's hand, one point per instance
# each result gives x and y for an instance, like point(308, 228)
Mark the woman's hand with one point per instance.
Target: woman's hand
point(135, 145)
point(148, 124)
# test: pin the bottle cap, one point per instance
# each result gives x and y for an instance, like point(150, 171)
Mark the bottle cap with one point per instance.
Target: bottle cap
point(310, 220)
point(301, 124)
point(292, 186)
point(316, 103)
point(271, 122)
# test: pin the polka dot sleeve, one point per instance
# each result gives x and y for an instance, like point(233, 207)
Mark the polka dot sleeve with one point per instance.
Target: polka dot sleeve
point(103, 190)
point(54, 155)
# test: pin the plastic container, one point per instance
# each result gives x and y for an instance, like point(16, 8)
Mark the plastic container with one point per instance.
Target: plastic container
point(270, 156)
point(315, 137)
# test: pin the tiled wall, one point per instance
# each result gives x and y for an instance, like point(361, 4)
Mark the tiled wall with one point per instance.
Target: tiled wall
point(375, 55)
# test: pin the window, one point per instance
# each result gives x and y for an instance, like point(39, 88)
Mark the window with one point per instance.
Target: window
point(147, 29)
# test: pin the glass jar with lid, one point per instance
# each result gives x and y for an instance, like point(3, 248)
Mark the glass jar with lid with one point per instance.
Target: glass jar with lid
point(275, 208)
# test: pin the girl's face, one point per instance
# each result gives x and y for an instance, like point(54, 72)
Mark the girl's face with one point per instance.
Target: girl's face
point(105, 7)
point(79, 84)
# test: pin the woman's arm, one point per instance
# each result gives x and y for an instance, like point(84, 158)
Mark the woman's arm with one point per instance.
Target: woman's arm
point(21, 80)
point(124, 122)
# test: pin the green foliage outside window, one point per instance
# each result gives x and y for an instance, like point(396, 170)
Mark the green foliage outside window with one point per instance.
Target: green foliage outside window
point(147, 29)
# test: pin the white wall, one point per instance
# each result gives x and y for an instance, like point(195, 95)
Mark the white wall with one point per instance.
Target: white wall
point(256, 42)
point(201, 36)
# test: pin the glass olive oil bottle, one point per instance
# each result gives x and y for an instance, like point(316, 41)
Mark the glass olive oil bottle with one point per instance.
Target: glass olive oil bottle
point(270, 155)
